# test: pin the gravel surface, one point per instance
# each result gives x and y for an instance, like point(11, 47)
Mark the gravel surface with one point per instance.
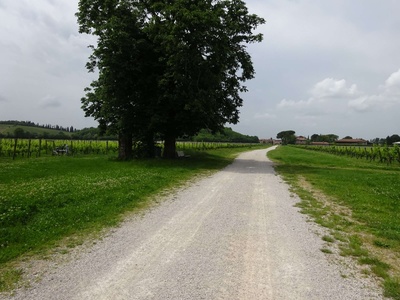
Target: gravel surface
point(233, 235)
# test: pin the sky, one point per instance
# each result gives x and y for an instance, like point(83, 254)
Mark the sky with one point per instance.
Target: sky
point(324, 67)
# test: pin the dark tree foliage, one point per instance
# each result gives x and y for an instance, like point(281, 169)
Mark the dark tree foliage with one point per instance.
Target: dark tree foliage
point(121, 100)
point(392, 139)
point(169, 68)
point(330, 138)
point(287, 137)
point(203, 46)
point(227, 135)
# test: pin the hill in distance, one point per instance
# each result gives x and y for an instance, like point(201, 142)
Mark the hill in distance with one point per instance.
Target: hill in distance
point(33, 130)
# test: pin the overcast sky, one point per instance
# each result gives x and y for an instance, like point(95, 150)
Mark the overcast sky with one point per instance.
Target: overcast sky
point(325, 66)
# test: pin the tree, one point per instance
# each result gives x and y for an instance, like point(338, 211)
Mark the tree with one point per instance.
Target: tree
point(315, 137)
point(121, 99)
point(202, 44)
point(330, 138)
point(392, 139)
point(19, 132)
point(167, 67)
point(288, 137)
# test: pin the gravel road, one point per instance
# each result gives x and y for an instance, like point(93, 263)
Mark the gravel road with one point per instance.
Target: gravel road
point(233, 235)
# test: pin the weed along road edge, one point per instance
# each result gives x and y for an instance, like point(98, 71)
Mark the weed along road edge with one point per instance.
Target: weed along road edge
point(233, 235)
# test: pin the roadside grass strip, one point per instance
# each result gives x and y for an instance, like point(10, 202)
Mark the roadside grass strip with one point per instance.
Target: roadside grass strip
point(357, 201)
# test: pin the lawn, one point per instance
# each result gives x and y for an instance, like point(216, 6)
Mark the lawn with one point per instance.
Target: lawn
point(360, 200)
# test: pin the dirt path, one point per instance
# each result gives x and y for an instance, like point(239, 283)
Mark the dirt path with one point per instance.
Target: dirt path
point(233, 235)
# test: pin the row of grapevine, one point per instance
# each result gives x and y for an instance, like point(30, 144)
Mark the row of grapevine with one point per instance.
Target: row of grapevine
point(383, 154)
point(38, 147)
point(208, 145)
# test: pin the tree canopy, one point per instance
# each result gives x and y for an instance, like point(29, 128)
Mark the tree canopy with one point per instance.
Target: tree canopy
point(329, 138)
point(287, 137)
point(167, 68)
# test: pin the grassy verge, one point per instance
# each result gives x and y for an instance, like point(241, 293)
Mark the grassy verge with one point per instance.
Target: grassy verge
point(358, 201)
point(45, 200)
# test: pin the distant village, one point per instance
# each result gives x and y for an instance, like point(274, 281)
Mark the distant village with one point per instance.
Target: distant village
point(347, 141)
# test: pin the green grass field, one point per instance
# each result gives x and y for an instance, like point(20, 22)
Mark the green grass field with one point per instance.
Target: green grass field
point(358, 201)
point(43, 201)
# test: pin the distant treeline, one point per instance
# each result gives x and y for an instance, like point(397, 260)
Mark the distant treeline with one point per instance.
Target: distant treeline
point(23, 130)
point(389, 140)
point(227, 135)
point(33, 124)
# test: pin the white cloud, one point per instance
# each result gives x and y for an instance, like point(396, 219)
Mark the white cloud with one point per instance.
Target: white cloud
point(284, 103)
point(393, 80)
point(330, 95)
point(392, 87)
point(324, 94)
point(332, 88)
point(362, 104)
point(388, 96)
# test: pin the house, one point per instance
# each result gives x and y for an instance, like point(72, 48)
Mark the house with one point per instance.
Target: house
point(271, 141)
point(352, 142)
point(319, 143)
point(301, 140)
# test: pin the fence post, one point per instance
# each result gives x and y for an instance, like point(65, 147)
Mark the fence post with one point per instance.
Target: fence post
point(29, 148)
point(15, 147)
point(40, 146)
point(70, 149)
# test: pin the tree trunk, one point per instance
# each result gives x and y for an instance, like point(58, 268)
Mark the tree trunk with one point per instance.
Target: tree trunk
point(124, 146)
point(150, 148)
point(170, 147)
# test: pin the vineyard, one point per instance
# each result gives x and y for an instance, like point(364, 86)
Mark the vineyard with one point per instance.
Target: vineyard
point(40, 147)
point(382, 154)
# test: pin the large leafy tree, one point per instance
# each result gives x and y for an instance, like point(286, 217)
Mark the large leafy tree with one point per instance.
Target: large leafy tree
point(190, 54)
point(287, 136)
point(203, 47)
point(121, 99)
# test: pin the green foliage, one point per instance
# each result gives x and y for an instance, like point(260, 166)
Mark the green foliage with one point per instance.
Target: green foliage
point(8, 278)
point(123, 97)
point(329, 138)
point(392, 288)
point(39, 147)
point(167, 68)
point(383, 154)
point(7, 130)
point(92, 133)
point(392, 139)
point(328, 239)
point(19, 132)
point(227, 135)
point(288, 137)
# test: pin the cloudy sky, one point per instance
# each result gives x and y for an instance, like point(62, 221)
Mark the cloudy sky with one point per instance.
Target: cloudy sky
point(330, 66)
